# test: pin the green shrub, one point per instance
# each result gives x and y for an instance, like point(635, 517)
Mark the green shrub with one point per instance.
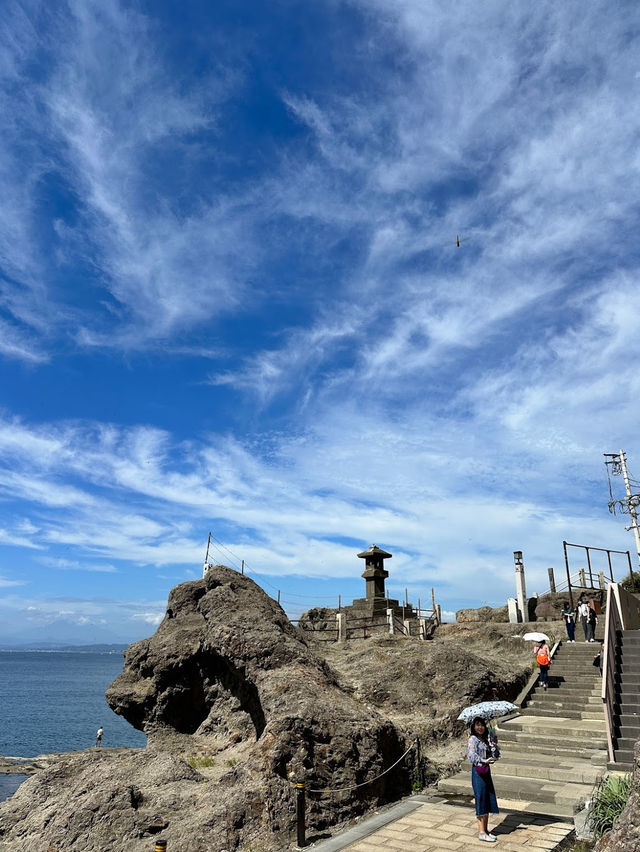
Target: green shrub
point(608, 802)
point(200, 762)
point(631, 582)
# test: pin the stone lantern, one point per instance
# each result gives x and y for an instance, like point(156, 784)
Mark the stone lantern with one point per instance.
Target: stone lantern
point(374, 572)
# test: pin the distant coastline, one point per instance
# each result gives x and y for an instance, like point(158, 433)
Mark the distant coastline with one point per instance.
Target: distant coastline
point(52, 647)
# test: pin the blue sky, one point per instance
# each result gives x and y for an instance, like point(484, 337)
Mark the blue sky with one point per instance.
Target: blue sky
point(231, 299)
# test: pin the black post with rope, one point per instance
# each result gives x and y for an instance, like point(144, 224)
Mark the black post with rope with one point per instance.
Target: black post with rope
point(301, 792)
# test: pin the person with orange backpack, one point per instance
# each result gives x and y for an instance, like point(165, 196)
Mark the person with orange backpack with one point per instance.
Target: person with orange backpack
point(543, 659)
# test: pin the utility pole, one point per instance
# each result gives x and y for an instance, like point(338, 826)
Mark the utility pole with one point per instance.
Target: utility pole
point(618, 464)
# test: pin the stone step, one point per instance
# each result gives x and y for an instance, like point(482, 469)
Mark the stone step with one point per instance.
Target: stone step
point(537, 796)
point(624, 756)
point(628, 668)
point(556, 727)
point(626, 743)
point(552, 712)
point(576, 692)
point(628, 718)
point(547, 767)
point(521, 742)
point(557, 698)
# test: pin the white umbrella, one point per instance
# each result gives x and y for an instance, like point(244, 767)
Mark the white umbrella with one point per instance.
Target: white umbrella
point(535, 637)
point(487, 710)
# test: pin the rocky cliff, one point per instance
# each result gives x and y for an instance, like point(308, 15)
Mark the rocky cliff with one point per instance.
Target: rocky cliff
point(226, 685)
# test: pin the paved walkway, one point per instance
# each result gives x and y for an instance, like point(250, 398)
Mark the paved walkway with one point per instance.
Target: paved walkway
point(426, 824)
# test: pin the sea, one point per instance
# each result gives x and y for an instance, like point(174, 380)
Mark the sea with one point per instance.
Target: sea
point(53, 701)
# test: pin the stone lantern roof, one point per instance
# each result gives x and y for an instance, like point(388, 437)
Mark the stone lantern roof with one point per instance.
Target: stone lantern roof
point(374, 550)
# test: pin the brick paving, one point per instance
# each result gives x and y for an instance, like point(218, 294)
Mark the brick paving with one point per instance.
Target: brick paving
point(447, 827)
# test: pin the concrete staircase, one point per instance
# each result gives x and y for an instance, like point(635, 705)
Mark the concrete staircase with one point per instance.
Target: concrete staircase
point(626, 721)
point(555, 751)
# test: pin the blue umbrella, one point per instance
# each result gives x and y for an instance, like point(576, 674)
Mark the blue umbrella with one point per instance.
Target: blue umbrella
point(487, 710)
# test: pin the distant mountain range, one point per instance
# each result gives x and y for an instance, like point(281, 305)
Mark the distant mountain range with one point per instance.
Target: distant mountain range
point(99, 648)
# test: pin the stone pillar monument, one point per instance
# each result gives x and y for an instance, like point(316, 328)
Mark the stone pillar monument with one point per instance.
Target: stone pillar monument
point(521, 590)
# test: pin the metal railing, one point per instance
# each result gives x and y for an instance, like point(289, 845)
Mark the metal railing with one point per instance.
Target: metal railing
point(588, 549)
point(612, 625)
point(623, 613)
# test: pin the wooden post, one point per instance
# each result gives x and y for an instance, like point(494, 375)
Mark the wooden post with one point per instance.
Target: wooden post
point(242, 569)
point(552, 581)
point(341, 620)
point(582, 578)
point(406, 597)
point(601, 581)
point(301, 831)
point(278, 595)
point(433, 601)
point(339, 602)
point(420, 772)
point(419, 608)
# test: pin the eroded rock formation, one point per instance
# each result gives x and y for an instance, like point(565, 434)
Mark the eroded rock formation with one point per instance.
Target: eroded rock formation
point(229, 684)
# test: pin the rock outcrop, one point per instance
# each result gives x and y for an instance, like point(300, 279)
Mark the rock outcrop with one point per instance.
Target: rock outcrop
point(227, 685)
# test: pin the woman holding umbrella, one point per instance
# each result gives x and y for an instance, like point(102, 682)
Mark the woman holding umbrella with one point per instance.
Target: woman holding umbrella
point(482, 751)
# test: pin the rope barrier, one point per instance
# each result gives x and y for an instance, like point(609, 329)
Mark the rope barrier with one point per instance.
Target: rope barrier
point(364, 783)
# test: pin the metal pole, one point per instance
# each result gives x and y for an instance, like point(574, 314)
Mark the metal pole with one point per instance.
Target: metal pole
point(589, 566)
point(339, 602)
point(419, 608)
point(406, 597)
point(609, 561)
point(632, 508)
point(242, 569)
point(206, 559)
point(300, 821)
point(278, 595)
point(566, 562)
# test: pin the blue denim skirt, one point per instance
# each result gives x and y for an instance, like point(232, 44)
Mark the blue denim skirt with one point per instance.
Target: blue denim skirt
point(484, 792)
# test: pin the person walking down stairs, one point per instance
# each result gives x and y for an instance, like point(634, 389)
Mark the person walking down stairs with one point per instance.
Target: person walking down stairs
point(583, 612)
point(569, 615)
point(543, 659)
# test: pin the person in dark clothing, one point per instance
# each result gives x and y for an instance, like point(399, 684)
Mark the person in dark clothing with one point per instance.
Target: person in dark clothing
point(592, 621)
point(569, 615)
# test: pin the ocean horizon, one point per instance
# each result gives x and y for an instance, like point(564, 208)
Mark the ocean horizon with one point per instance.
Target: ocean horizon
point(54, 702)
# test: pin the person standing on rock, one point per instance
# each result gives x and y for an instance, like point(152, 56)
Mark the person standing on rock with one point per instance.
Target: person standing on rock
point(482, 751)
point(543, 659)
point(569, 615)
point(99, 736)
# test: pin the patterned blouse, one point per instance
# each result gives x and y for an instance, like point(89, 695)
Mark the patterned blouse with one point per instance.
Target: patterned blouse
point(478, 751)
